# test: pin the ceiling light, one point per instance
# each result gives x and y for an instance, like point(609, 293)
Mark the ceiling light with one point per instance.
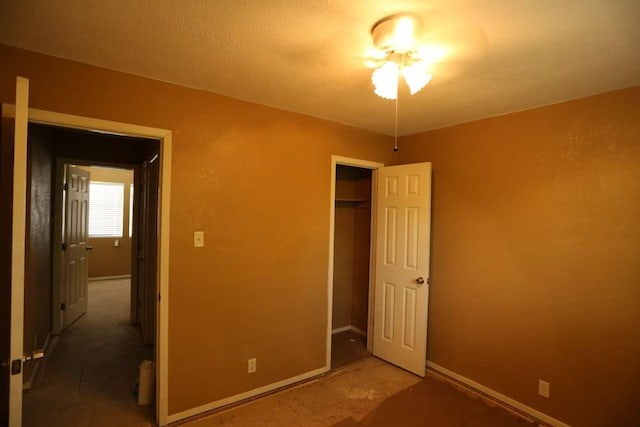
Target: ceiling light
point(385, 80)
point(398, 33)
point(396, 40)
point(416, 77)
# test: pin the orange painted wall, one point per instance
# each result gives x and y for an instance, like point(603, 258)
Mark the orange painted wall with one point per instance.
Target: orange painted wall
point(536, 255)
point(534, 247)
point(256, 180)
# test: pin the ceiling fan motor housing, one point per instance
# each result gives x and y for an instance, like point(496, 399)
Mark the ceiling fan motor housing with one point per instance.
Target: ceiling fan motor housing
point(398, 33)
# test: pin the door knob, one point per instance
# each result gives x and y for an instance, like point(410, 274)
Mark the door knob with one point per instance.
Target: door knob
point(89, 247)
point(419, 280)
point(36, 354)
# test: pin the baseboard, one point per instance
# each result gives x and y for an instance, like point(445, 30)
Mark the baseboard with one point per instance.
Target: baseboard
point(349, 328)
point(243, 396)
point(37, 363)
point(499, 397)
point(123, 276)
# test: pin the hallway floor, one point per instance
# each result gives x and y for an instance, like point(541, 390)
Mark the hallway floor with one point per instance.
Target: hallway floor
point(87, 379)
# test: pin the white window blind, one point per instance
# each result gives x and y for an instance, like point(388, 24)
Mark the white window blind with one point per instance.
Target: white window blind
point(131, 210)
point(106, 203)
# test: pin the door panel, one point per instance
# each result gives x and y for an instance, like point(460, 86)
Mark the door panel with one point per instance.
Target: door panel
point(75, 233)
point(402, 246)
point(409, 303)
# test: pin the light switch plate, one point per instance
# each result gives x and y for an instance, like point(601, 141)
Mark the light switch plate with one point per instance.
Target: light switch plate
point(251, 365)
point(544, 388)
point(198, 239)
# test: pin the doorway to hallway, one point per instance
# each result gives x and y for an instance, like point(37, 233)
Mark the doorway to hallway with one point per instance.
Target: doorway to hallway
point(18, 344)
point(92, 360)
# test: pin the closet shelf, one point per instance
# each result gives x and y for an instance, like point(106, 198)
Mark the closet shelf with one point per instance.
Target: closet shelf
point(347, 200)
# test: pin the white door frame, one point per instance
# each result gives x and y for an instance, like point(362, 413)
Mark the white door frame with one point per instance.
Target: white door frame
point(20, 113)
point(124, 129)
point(363, 164)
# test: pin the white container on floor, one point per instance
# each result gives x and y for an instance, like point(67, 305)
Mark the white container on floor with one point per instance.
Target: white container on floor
point(146, 387)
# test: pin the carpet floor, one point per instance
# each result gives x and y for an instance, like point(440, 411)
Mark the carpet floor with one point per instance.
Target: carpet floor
point(434, 402)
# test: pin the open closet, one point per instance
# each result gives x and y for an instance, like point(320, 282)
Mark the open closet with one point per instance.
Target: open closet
point(352, 231)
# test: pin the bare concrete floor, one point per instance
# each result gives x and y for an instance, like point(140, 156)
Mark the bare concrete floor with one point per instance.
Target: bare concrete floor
point(353, 391)
point(87, 378)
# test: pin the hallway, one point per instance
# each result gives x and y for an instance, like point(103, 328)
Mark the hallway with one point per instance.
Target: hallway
point(88, 376)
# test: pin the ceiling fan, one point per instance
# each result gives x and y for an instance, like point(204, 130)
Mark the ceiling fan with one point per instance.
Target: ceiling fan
point(401, 50)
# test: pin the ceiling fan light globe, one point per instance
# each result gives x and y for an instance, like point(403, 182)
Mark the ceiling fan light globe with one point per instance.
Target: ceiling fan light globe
point(416, 78)
point(385, 80)
point(386, 93)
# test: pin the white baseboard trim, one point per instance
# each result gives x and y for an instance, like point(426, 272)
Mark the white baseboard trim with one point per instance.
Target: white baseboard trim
point(349, 328)
point(243, 396)
point(38, 363)
point(123, 276)
point(477, 387)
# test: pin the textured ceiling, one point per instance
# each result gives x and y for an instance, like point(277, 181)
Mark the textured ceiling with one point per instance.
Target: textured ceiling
point(307, 56)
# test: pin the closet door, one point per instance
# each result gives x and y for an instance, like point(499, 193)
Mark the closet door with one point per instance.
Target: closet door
point(403, 222)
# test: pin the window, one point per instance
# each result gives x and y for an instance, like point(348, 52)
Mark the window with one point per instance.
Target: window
point(106, 200)
point(131, 210)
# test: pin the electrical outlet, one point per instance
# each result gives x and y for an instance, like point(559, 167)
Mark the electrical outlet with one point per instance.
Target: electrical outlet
point(198, 239)
point(544, 388)
point(251, 365)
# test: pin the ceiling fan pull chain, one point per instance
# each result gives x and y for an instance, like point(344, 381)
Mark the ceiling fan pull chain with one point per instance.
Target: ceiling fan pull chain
point(395, 139)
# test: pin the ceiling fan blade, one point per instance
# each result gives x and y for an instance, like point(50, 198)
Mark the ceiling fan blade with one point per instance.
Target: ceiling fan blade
point(453, 37)
point(374, 58)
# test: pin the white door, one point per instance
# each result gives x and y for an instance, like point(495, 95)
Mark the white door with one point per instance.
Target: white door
point(12, 357)
point(403, 223)
point(75, 269)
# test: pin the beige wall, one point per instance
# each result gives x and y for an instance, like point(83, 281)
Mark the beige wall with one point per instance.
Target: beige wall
point(106, 259)
point(535, 255)
point(257, 181)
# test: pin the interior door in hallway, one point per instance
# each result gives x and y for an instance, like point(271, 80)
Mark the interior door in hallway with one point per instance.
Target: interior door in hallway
point(403, 222)
point(75, 271)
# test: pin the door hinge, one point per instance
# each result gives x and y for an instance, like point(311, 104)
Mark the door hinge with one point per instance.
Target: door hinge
point(65, 186)
point(64, 246)
point(16, 367)
point(63, 307)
